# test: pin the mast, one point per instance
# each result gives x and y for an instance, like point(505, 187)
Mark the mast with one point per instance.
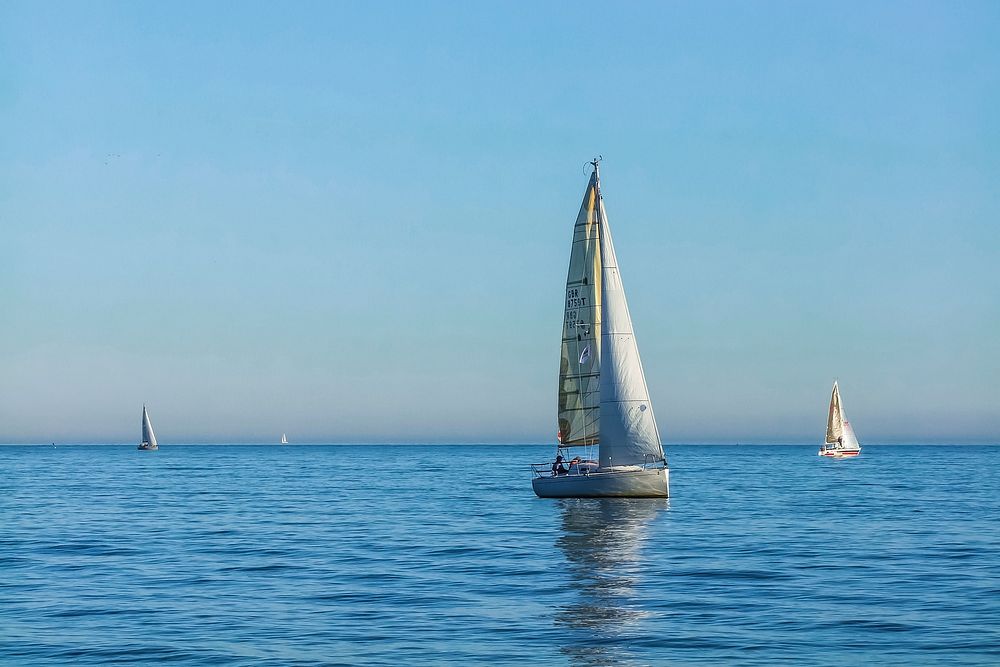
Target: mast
point(595, 438)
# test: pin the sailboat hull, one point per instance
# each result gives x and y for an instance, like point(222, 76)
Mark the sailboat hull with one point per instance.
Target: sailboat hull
point(648, 483)
point(839, 454)
point(147, 448)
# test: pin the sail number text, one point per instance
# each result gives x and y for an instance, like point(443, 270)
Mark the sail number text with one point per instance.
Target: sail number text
point(574, 301)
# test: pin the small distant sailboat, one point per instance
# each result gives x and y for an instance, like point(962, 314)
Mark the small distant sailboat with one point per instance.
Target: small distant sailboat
point(840, 438)
point(603, 400)
point(284, 440)
point(148, 438)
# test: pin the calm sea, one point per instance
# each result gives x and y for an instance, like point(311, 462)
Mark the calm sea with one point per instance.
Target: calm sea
point(441, 555)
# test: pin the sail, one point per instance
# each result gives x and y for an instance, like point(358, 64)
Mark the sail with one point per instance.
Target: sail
point(850, 440)
point(835, 421)
point(580, 359)
point(627, 426)
point(284, 440)
point(147, 430)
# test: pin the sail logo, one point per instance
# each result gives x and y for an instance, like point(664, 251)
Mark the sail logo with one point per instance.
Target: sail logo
point(585, 355)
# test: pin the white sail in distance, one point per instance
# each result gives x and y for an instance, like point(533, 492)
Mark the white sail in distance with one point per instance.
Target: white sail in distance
point(850, 440)
point(148, 438)
point(835, 420)
point(839, 433)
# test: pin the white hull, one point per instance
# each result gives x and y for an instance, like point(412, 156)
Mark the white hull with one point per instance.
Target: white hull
point(648, 483)
point(147, 448)
point(839, 453)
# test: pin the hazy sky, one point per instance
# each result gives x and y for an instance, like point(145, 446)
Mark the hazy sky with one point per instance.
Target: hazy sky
point(351, 222)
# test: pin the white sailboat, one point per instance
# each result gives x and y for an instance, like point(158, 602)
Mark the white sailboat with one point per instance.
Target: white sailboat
point(148, 438)
point(840, 438)
point(284, 440)
point(603, 400)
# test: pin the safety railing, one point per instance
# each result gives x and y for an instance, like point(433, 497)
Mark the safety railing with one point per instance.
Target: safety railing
point(584, 468)
point(580, 469)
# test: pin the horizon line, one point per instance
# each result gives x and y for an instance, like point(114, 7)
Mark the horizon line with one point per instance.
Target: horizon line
point(401, 443)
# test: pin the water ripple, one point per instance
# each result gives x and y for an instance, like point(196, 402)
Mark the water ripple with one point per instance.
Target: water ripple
point(287, 556)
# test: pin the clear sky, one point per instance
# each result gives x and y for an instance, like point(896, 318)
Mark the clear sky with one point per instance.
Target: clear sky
point(351, 221)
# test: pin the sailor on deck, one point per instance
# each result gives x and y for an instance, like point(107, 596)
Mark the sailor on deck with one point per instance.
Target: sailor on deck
point(558, 468)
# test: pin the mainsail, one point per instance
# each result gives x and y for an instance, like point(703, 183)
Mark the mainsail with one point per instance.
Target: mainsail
point(147, 430)
point(580, 361)
point(602, 389)
point(835, 422)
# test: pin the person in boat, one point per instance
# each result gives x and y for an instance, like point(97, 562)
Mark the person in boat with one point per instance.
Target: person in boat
point(558, 468)
point(581, 466)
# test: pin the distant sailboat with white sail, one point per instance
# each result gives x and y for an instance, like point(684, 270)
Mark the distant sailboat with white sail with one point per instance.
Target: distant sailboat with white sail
point(840, 438)
point(603, 400)
point(284, 440)
point(148, 438)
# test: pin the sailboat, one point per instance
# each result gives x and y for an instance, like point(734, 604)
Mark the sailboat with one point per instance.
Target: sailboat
point(840, 438)
point(603, 400)
point(284, 440)
point(148, 438)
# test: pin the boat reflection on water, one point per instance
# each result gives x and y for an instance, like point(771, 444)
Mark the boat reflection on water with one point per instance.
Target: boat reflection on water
point(603, 540)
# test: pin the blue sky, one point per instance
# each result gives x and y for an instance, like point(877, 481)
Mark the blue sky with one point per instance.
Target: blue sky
point(351, 222)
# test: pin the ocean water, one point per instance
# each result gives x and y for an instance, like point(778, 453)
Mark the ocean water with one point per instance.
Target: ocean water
point(441, 555)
